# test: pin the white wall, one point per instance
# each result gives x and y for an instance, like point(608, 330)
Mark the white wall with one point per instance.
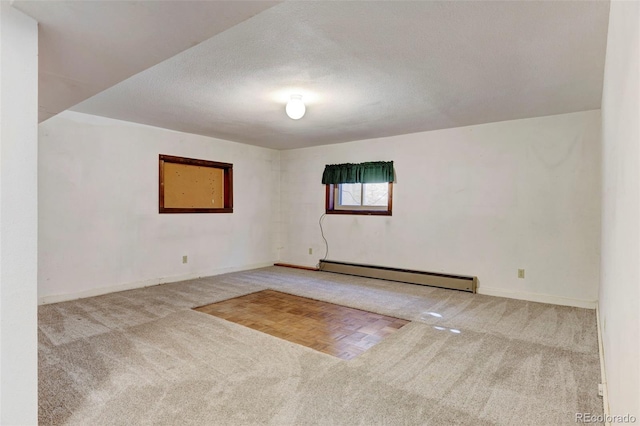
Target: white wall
point(18, 217)
point(481, 200)
point(100, 229)
point(619, 302)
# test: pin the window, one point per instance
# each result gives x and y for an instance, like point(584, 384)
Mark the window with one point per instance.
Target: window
point(359, 198)
point(362, 188)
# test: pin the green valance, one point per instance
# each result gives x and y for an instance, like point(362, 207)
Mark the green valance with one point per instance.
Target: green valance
point(371, 172)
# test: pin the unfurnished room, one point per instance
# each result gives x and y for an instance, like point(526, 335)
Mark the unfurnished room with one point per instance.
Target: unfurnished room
point(319, 212)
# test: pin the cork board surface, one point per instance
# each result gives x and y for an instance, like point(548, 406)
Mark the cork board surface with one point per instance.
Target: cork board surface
point(189, 186)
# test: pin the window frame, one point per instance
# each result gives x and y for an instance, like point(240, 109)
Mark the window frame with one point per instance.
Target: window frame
point(331, 194)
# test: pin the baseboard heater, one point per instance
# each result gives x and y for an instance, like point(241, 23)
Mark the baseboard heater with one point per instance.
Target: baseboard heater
point(433, 279)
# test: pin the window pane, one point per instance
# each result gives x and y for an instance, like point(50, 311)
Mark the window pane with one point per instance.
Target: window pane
point(376, 194)
point(350, 194)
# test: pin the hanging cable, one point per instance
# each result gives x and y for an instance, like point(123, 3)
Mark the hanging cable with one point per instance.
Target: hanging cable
point(326, 243)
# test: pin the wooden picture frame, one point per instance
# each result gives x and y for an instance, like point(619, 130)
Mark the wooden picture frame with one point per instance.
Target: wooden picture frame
point(188, 185)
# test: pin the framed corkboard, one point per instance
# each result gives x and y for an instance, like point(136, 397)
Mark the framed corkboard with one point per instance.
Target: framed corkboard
point(187, 185)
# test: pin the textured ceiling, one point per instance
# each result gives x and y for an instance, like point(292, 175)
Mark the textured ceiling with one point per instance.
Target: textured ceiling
point(373, 69)
point(88, 46)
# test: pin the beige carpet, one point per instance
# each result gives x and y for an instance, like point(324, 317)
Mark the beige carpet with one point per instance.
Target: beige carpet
point(143, 357)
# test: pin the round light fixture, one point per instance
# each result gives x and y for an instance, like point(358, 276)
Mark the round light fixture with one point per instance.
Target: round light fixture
point(295, 107)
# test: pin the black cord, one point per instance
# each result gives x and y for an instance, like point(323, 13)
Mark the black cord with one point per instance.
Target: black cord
point(326, 243)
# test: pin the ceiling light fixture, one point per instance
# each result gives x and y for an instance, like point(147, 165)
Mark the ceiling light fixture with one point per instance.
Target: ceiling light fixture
point(295, 107)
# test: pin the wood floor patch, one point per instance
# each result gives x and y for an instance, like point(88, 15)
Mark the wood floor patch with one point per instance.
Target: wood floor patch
point(326, 327)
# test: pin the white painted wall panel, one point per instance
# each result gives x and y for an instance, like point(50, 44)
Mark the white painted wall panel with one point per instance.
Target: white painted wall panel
point(100, 229)
point(18, 217)
point(620, 280)
point(482, 200)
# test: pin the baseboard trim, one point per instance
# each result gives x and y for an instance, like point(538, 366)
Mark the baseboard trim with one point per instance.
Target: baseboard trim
point(603, 371)
point(537, 297)
point(289, 265)
point(57, 298)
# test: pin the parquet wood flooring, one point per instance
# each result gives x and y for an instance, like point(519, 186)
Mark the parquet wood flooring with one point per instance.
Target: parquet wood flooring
point(326, 327)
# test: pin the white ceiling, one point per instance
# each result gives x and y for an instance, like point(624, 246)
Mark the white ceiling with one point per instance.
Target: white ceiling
point(88, 46)
point(368, 69)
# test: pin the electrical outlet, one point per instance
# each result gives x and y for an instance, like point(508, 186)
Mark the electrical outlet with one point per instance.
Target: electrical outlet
point(310, 250)
point(184, 259)
point(520, 273)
